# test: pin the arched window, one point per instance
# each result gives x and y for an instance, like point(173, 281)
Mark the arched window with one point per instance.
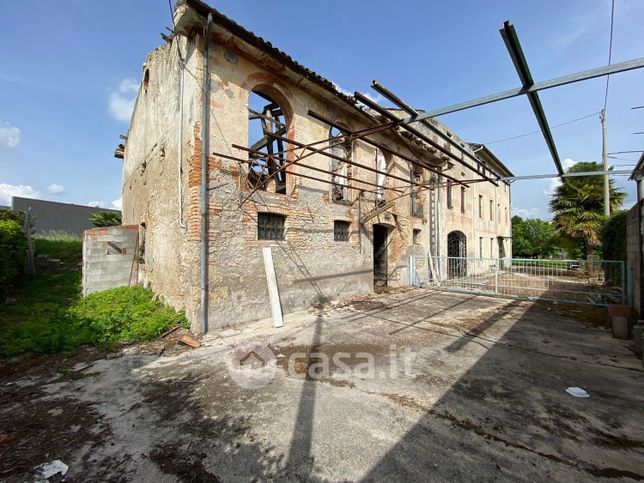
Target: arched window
point(341, 148)
point(266, 125)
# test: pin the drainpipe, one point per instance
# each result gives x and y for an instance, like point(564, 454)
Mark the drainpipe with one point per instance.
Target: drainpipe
point(640, 248)
point(204, 181)
point(180, 140)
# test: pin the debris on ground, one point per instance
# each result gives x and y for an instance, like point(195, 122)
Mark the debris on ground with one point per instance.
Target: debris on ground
point(191, 341)
point(577, 392)
point(52, 468)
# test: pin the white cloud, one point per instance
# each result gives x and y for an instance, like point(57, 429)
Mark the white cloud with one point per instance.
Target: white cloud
point(377, 98)
point(112, 205)
point(342, 90)
point(55, 189)
point(7, 191)
point(554, 183)
point(9, 136)
point(525, 212)
point(121, 101)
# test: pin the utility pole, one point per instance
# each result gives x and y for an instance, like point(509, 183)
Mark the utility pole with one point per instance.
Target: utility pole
point(602, 117)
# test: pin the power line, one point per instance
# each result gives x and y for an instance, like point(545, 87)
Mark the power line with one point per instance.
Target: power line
point(537, 132)
point(610, 49)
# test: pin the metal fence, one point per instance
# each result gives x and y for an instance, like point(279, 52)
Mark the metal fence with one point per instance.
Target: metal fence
point(597, 282)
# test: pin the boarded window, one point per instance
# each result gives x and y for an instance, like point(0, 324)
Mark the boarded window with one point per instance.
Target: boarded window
point(341, 230)
point(270, 226)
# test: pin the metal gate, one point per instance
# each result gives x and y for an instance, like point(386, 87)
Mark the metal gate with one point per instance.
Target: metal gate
point(596, 282)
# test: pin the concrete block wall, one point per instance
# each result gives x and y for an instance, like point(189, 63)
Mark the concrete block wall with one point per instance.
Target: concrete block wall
point(109, 258)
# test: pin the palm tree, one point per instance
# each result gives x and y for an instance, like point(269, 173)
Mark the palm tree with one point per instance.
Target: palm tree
point(578, 206)
point(105, 218)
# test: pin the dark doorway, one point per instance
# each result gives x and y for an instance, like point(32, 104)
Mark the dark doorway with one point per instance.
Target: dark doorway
point(456, 254)
point(380, 238)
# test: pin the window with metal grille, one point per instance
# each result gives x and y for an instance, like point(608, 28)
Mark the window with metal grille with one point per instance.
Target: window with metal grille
point(270, 226)
point(341, 230)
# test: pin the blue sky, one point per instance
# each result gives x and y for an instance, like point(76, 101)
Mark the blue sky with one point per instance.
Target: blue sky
point(70, 70)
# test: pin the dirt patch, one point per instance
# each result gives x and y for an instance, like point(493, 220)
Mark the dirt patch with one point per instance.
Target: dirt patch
point(587, 314)
point(37, 429)
point(185, 464)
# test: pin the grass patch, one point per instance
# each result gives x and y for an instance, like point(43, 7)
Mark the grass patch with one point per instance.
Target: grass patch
point(61, 246)
point(541, 263)
point(49, 316)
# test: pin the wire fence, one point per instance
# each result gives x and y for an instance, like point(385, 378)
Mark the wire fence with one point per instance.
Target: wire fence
point(597, 282)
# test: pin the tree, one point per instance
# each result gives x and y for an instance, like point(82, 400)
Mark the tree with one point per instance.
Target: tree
point(578, 206)
point(105, 218)
point(613, 236)
point(534, 237)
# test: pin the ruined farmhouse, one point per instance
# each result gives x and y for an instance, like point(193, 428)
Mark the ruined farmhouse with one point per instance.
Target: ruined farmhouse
point(341, 192)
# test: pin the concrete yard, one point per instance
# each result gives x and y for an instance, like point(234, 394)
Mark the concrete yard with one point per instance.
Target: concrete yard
point(485, 400)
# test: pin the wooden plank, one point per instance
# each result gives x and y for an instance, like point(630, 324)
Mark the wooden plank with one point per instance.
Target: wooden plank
point(273, 293)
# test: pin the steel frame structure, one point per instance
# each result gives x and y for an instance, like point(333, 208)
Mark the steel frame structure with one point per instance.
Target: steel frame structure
point(391, 123)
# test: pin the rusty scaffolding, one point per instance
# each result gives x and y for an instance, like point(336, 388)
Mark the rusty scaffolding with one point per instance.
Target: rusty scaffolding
point(276, 155)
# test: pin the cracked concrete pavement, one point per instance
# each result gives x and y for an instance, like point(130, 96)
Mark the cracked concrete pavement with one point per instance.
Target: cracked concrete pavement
point(485, 399)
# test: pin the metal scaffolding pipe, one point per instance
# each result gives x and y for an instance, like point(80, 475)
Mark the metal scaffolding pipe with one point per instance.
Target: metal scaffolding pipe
point(381, 110)
point(312, 168)
point(382, 147)
point(523, 70)
point(378, 87)
point(301, 175)
point(536, 87)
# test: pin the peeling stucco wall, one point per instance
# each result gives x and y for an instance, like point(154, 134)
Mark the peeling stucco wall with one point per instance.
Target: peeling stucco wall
point(311, 267)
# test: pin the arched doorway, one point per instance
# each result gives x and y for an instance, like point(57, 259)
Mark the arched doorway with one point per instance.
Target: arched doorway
point(456, 253)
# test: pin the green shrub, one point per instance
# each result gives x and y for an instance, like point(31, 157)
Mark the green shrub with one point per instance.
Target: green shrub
point(123, 314)
point(12, 253)
point(50, 317)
